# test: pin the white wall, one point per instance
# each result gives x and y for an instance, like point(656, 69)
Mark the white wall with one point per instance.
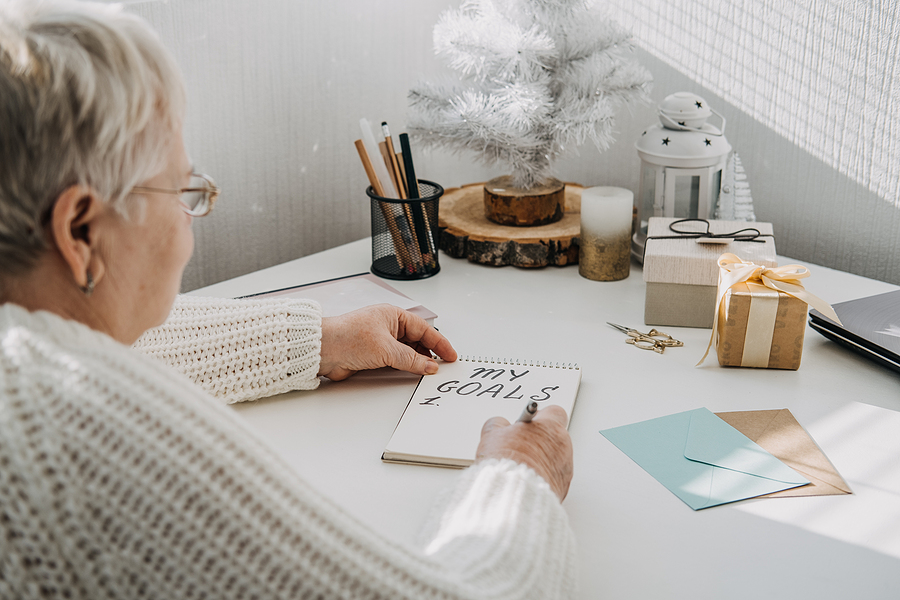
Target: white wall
point(276, 88)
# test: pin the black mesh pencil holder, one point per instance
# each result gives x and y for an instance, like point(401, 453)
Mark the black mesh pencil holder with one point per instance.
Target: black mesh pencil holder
point(405, 234)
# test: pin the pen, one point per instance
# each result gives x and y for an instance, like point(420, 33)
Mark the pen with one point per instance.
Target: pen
point(420, 218)
point(406, 152)
point(529, 412)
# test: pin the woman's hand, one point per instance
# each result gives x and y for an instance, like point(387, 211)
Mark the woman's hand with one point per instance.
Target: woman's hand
point(380, 336)
point(543, 444)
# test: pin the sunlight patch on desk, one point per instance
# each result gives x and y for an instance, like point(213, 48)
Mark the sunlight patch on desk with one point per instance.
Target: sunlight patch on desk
point(863, 442)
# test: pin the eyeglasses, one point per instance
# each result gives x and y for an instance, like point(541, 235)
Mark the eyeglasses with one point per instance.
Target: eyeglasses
point(197, 199)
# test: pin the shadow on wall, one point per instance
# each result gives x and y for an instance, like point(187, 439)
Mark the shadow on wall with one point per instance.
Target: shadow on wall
point(819, 215)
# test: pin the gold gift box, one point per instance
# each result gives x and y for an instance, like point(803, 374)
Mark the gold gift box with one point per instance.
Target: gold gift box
point(760, 327)
point(761, 315)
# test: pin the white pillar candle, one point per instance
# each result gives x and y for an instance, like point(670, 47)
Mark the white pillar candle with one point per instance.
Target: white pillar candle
point(606, 217)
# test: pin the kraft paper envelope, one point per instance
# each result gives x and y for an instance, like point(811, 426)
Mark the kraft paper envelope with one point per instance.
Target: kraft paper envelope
point(702, 459)
point(778, 432)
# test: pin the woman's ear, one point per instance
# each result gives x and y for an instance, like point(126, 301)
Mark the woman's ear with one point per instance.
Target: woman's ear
point(73, 224)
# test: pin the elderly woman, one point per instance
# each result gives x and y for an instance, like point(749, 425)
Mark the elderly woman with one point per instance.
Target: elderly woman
point(121, 477)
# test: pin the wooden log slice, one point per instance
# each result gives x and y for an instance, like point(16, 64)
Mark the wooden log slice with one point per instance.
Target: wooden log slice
point(505, 204)
point(467, 233)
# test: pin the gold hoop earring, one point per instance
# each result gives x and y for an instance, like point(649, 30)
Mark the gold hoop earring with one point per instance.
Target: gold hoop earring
point(88, 288)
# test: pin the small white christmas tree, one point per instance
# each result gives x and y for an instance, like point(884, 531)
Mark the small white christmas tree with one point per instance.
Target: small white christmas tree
point(537, 77)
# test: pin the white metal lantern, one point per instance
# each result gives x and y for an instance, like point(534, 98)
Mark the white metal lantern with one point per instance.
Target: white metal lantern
point(682, 160)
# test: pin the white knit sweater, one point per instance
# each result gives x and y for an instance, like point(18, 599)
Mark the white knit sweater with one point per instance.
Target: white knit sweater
point(119, 478)
point(239, 350)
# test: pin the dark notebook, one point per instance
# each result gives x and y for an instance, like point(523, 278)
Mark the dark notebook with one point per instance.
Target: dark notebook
point(871, 326)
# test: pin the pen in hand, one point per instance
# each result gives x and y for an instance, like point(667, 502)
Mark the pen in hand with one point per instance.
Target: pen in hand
point(530, 410)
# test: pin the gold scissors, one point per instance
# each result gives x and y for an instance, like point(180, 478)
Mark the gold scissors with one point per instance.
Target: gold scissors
point(652, 340)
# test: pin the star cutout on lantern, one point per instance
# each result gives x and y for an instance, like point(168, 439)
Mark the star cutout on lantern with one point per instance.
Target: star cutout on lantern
point(666, 141)
point(708, 143)
point(699, 104)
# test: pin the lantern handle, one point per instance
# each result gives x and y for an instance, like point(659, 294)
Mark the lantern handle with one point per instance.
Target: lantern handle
point(667, 120)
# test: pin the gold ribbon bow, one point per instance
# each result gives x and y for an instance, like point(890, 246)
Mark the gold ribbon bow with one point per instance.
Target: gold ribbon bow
point(732, 270)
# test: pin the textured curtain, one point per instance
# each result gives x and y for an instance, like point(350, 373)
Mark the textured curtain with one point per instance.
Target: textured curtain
point(825, 74)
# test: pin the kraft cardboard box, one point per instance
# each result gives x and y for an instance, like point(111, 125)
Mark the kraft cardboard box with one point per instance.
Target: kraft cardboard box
point(682, 274)
point(760, 327)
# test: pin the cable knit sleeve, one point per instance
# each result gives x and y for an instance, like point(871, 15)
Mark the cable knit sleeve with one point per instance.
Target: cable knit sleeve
point(239, 350)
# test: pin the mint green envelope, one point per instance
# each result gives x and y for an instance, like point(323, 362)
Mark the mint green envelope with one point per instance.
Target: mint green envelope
point(702, 459)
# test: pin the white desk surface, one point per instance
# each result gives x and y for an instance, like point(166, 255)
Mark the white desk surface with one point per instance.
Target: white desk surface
point(636, 539)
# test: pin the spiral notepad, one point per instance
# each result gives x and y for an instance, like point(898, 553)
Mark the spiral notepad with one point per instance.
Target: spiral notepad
point(441, 425)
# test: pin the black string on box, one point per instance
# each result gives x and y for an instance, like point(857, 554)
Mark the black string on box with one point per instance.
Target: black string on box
point(748, 234)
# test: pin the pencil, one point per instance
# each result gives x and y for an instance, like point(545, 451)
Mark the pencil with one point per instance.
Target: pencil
point(370, 170)
point(406, 208)
point(403, 182)
point(382, 146)
point(403, 258)
point(405, 227)
point(372, 149)
point(395, 165)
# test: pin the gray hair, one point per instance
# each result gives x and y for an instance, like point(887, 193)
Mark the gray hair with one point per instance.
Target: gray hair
point(88, 95)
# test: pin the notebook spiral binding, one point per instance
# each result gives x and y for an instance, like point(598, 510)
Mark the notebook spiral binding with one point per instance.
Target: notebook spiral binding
point(519, 363)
